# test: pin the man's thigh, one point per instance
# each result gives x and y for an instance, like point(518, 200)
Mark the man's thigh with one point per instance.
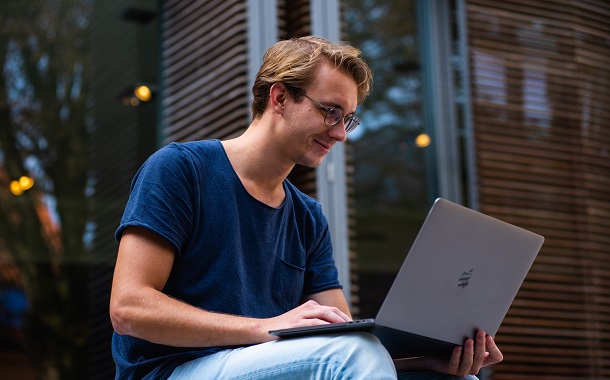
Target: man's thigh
point(349, 356)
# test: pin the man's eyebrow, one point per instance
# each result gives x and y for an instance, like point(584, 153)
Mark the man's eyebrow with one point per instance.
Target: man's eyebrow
point(332, 105)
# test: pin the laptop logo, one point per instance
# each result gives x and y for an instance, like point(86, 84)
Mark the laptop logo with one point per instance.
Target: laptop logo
point(464, 278)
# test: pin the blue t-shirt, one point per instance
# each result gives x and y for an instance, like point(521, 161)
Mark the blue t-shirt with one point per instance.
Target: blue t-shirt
point(234, 254)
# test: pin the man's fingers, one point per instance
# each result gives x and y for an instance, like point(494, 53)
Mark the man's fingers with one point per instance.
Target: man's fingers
point(480, 353)
point(331, 314)
point(455, 360)
point(467, 358)
point(495, 355)
point(341, 314)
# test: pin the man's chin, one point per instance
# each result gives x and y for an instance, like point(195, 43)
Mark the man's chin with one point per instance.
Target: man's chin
point(311, 163)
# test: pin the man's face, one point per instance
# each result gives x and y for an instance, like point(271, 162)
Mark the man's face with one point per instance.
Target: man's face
point(309, 138)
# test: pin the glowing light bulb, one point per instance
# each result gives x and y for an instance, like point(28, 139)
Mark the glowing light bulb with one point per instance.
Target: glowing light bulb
point(26, 183)
point(15, 188)
point(422, 140)
point(143, 93)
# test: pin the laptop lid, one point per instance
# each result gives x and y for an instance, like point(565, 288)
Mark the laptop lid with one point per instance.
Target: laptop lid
point(461, 275)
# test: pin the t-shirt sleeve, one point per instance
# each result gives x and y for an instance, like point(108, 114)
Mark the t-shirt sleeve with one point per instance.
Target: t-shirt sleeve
point(321, 272)
point(161, 197)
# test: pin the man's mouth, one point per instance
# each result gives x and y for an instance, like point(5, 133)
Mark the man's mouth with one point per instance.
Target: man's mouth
point(324, 145)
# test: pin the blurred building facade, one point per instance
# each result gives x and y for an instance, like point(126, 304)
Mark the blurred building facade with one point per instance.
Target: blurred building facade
point(513, 96)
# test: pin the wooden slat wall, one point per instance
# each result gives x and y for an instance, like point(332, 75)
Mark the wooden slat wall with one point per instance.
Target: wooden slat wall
point(540, 74)
point(294, 18)
point(205, 69)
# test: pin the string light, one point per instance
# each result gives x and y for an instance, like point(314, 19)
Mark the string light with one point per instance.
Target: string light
point(15, 188)
point(26, 183)
point(18, 187)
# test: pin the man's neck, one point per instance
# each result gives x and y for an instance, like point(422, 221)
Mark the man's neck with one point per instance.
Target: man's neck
point(258, 165)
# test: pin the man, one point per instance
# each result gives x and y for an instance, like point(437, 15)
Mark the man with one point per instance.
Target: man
point(217, 247)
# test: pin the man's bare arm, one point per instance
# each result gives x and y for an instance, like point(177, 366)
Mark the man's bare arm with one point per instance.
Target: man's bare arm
point(140, 309)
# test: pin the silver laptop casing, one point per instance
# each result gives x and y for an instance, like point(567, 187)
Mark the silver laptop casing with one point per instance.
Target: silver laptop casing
point(461, 275)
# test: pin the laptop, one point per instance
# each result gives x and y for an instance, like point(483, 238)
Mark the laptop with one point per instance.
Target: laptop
point(461, 275)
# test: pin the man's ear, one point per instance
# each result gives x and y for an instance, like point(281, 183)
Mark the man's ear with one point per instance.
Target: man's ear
point(278, 96)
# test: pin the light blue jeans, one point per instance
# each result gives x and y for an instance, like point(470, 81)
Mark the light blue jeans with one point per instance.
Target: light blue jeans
point(348, 356)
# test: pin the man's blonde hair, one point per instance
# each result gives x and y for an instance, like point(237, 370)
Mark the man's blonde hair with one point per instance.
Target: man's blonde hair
point(294, 62)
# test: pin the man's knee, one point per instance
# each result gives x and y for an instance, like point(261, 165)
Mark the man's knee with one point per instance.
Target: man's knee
point(358, 343)
point(362, 354)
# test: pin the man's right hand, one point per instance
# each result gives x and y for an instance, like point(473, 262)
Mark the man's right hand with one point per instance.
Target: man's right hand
point(310, 313)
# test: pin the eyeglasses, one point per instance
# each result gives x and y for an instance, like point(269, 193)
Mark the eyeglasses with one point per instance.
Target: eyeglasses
point(334, 115)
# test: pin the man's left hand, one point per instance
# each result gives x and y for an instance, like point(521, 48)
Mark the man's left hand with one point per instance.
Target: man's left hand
point(465, 360)
point(469, 358)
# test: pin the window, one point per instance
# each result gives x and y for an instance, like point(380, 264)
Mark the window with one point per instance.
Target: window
point(388, 151)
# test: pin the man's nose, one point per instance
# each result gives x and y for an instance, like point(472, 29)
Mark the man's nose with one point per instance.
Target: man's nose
point(337, 131)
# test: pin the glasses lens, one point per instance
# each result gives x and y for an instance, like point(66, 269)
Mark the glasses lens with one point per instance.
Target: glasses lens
point(351, 123)
point(333, 116)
